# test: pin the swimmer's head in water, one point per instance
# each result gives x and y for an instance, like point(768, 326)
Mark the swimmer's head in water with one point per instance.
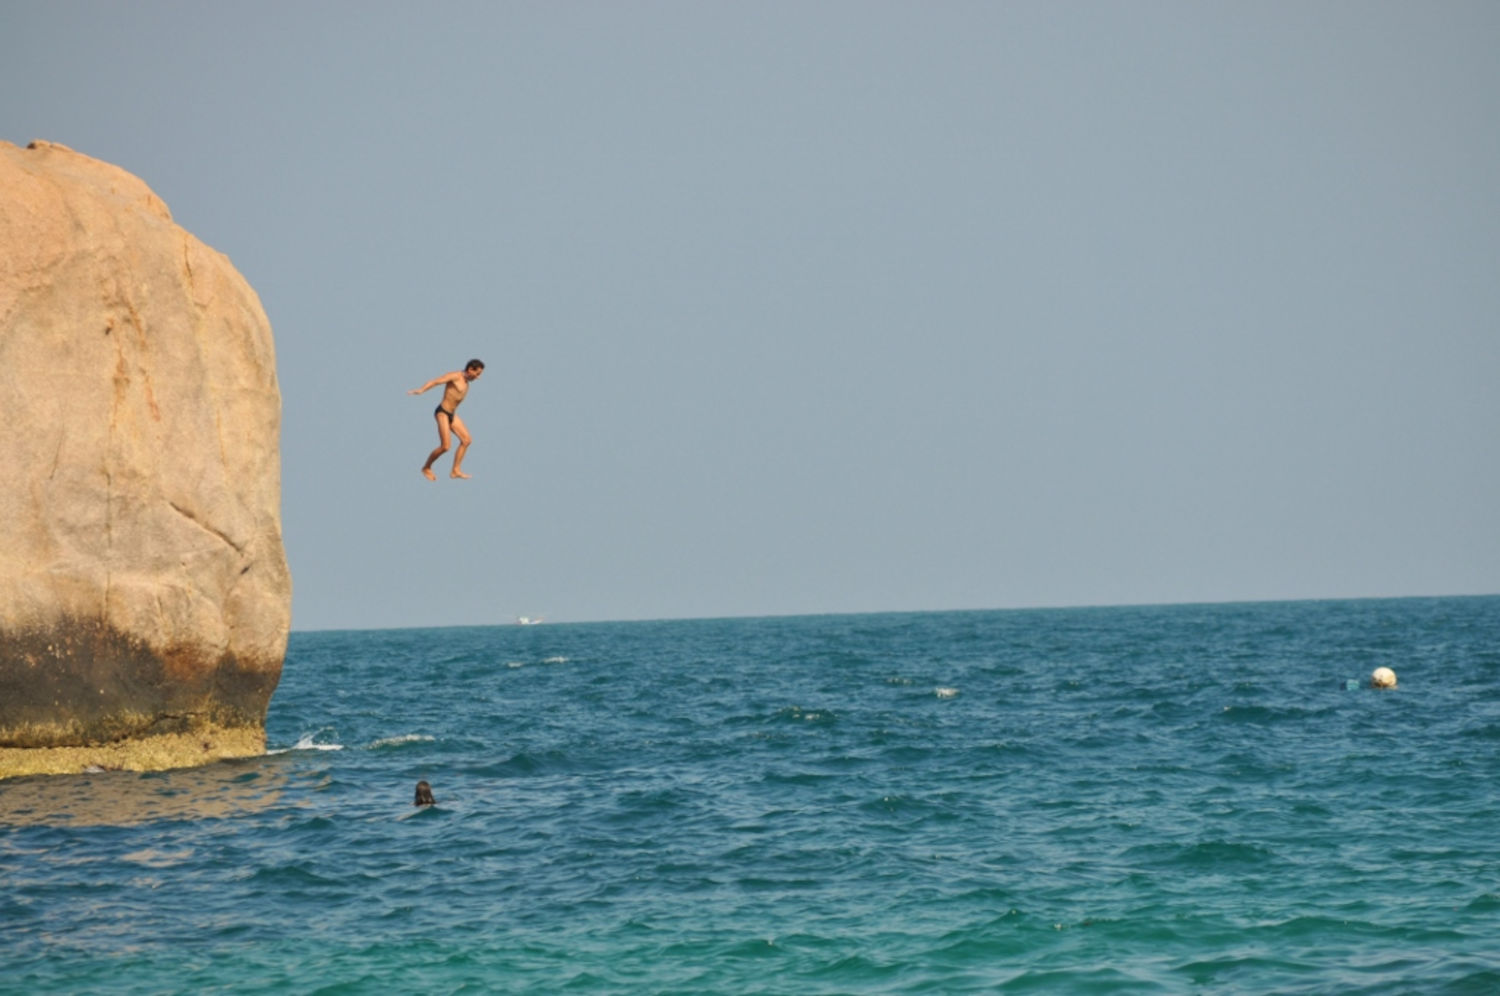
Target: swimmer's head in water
point(424, 795)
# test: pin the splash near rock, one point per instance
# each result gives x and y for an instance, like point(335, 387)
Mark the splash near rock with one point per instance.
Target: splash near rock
point(144, 590)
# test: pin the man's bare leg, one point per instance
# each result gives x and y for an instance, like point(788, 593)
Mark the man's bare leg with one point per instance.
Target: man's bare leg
point(443, 443)
point(462, 432)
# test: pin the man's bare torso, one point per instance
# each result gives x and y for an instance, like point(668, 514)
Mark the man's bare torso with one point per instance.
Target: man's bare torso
point(455, 391)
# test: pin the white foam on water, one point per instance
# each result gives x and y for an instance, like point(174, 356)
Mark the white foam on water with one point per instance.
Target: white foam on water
point(153, 858)
point(946, 693)
point(307, 743)
point(554, 660)
point(405, 738)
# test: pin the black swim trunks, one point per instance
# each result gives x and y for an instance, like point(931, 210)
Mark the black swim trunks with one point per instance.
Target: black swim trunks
point(445, 411)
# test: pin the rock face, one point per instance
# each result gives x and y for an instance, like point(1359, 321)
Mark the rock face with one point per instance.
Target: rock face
point(144, 588)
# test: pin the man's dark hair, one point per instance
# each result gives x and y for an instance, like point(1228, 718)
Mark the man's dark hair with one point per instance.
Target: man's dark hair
point(474, 365)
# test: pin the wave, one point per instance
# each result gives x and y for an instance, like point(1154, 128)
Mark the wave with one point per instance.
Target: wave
point(306, 742)
point(402, 740)
point(799, 714)
point(545, 660)
point(292, 875)
point(434, 812)
point(1209, 855)
point(539, 763)
point(1260, 714)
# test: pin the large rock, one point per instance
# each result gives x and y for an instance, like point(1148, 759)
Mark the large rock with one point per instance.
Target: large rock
point(143, 585)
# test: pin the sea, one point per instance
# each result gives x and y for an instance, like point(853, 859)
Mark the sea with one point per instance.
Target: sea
point(1160, 799)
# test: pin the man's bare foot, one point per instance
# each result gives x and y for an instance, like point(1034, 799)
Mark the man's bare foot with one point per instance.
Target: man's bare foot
point(459, 473)
point(427, 473)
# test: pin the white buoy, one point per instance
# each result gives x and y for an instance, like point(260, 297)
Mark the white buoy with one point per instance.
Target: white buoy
point(1383, 677)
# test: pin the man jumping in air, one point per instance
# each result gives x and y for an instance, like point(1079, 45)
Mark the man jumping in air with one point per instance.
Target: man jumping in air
point(456, 389)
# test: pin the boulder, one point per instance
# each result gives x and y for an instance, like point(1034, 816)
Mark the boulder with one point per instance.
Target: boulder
point(144, 589)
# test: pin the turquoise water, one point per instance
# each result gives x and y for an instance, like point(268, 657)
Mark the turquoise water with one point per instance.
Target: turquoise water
point(1165, 799)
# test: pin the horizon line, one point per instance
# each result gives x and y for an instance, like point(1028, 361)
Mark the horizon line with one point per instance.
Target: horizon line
point(897, 612)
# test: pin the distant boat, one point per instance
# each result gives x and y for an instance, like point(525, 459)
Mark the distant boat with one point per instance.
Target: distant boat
point(528, 620)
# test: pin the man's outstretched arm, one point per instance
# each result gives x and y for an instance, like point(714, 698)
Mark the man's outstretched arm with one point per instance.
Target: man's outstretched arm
point(444, 379)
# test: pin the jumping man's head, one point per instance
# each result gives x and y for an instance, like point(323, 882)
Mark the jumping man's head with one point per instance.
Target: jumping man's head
point(473, 369)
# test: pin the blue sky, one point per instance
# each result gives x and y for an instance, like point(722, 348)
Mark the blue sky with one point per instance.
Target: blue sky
point(833, 307)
